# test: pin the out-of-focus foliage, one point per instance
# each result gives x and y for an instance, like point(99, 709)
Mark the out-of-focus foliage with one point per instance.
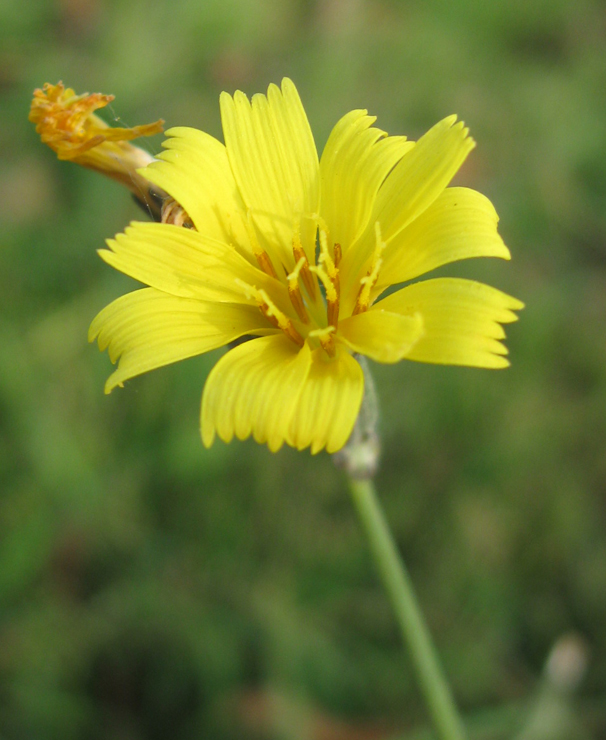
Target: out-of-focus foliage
point(151, 589)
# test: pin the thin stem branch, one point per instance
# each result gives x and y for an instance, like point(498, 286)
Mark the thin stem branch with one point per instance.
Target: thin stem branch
point(409, 616)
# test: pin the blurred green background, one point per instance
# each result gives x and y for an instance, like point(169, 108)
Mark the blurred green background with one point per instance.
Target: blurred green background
point(151, 589)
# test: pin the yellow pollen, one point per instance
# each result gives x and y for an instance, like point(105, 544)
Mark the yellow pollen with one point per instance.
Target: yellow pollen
point(271, 312)
point(368, 282)
point(331, 292)
point(260, 254)
point(295, 292)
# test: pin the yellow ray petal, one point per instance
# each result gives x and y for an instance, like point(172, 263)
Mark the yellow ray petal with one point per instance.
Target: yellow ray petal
point(420, 177)
point(461, 223)
point(253, 389)
point(195, 171)
point(412, 186)
point(147, 329)
point(328, 406)
point(354, 163)
point(274, 160)
point(461, 319)
point(381, 335)
point(185, 263)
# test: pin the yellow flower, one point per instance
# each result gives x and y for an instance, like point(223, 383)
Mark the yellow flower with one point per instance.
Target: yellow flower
point(67, 123)
point(296, 253)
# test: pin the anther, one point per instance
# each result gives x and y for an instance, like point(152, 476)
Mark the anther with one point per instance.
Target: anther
point(331, 289)
point(331, 292)
point(295, 292)
point(332, 308)
point(322, 225)
point(261, 255)
point(332, 296)
point(299, 253)
point(325, 258)
point(368, 282)
point(271, 312)
point(326, 339)
point(338, 253)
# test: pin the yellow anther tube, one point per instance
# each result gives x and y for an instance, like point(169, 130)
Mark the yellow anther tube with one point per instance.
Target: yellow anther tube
point(271, 312)
point(261, 255)
point(326, 339)
point(295, 292)
point(368, 282)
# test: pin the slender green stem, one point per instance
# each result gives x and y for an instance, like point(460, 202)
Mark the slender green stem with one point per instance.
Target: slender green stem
point(410, 619)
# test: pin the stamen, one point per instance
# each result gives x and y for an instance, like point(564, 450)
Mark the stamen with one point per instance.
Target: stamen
point(295, 292)
point(271, 312)
point(332, 299)
point(337, 252)
point(321, 222)
point(336, 248)
point(260, 254)
point(331, 292)
point(325, 258)
point(299, 253)
point(326, 339)
point(331, 288)
point(332, 311)
point(368, 282)
point(332, 307)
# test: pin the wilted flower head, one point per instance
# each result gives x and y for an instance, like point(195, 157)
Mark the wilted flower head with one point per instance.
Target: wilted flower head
point(295, 254)
point(68, 124)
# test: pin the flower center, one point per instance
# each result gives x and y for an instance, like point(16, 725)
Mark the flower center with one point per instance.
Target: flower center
point(314, 290)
